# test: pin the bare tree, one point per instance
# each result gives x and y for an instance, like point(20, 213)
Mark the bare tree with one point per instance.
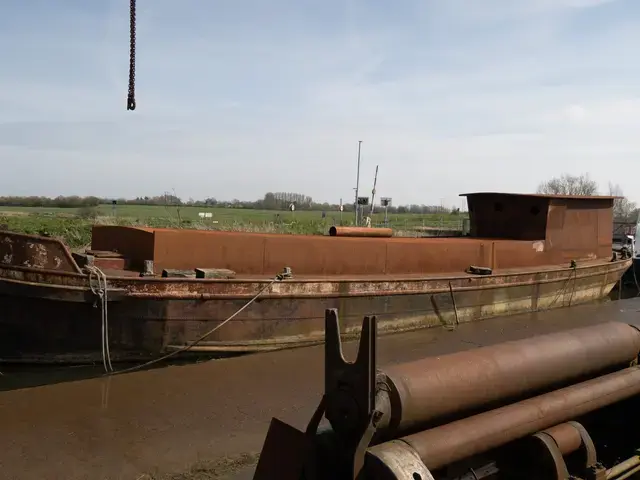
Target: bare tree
point(569, 185)
point(624, 210)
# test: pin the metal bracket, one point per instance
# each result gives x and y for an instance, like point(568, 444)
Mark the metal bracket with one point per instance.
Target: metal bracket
point(350, 390)
point(587, 455)
point(349, 387)
point(550, 456)
point(348, 404)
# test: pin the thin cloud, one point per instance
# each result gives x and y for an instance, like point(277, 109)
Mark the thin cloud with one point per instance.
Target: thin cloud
point(237, 98)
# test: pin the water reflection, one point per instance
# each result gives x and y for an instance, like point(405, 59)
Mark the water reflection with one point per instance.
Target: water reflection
point(29, 376)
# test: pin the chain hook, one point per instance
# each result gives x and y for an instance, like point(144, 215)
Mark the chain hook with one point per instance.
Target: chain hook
point(131, 97)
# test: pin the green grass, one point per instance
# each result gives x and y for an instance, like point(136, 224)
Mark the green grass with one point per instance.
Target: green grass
point(226, 215)
point(69, 224)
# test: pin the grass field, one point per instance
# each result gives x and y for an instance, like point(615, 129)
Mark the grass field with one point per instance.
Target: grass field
point(74, 225)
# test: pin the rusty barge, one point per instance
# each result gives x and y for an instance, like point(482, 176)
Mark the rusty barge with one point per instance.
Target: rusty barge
point(524, 253)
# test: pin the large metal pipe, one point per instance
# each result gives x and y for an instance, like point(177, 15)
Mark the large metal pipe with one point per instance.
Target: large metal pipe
point(464, 438)
point(566, 436)
point(423, 391)
point(360, 232)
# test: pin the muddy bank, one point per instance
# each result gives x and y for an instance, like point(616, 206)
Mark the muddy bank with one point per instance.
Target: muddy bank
point(208, 420)
point(240, 467)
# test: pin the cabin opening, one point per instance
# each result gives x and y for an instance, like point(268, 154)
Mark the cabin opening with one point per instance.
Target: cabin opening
point(507, 217)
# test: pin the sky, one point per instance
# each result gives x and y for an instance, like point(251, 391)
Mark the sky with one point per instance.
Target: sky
point(236, 98)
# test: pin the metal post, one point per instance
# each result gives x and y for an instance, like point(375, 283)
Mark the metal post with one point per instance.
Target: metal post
point(358, 181)
point(373, 192)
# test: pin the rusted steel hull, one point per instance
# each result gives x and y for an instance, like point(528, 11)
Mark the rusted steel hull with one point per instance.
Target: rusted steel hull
point(53, 315)
point(51, 308)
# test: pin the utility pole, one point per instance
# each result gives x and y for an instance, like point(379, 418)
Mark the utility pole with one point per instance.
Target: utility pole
point(358, 181)
point(373, 191)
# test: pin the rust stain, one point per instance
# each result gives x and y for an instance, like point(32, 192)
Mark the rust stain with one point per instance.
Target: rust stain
point(7, 247)
point(306, 255)
point(31, 251)
point(149, 316)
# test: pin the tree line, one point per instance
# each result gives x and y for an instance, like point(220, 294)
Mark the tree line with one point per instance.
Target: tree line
point(582, 185)
point(566, 184)
point(271, 201)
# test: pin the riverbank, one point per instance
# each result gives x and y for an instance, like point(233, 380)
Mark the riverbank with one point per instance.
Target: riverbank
point(240, 467)
point(208, 421)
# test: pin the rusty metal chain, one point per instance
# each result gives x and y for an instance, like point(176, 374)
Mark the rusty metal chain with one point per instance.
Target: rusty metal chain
point(131, 97)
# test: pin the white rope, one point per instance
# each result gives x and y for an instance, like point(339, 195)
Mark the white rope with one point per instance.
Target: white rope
point(101, 291)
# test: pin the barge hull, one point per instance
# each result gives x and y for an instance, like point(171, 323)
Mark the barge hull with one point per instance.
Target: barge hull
point(64, 326)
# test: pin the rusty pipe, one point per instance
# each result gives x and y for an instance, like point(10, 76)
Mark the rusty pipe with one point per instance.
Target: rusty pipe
point(429, 389)
point(479, 433)
point(566, 436)
point(360, 232)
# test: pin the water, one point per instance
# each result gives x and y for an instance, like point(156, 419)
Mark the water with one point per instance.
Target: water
point(74, 424)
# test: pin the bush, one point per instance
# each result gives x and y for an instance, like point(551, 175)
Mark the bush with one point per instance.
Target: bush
point(88, 213)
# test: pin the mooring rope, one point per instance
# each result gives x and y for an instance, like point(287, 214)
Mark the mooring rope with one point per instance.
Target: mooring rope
point(281, 276)
point(573, 274)
point(635, 277)
point(100, 290)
